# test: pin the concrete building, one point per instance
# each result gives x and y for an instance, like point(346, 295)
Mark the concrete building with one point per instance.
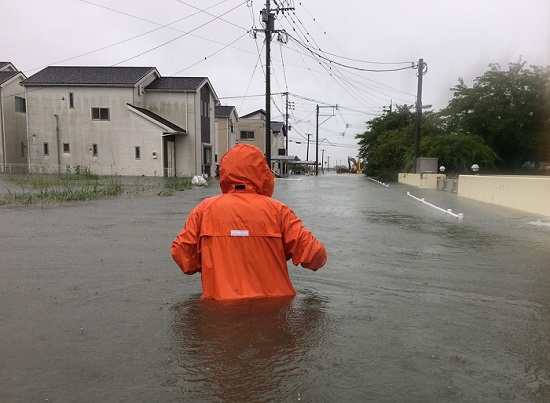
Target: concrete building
point(227, 127)
point(252, 131)
point(120, 120)
point(13, 119)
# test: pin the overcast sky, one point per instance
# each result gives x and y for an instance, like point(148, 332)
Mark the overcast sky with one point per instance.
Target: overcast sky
point(322, 62)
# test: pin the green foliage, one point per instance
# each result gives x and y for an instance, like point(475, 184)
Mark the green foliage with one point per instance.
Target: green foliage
point(503, 121)
point(385, 144)
point(509, 109)
point(298, 169)
point(65, 187)
point(457, 152)
point(176, 183)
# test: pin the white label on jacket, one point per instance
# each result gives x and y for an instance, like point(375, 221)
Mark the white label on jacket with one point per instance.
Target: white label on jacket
point(239, 232)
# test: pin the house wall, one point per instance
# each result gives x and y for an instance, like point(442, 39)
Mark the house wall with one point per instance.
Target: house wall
point(226, 138)
point(222, 133)
point(210, 141)
point(255, 125)
point(13, 125)
point(183, 109)
point(52, 118)
point(234, 135)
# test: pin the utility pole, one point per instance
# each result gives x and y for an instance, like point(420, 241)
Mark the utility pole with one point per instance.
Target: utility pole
point(323, 161)
point(317, 141)
point(268, 19)
point(422, 69)
point(317, 133)
point(328, 163)
point(291, 106)
point(307, 151)
point(286, 134)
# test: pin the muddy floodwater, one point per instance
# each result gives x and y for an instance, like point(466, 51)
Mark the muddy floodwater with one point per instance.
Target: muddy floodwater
point(413, 304)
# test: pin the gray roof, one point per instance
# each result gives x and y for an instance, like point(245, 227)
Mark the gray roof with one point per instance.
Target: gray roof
point(260, 111)
point(159, 119)
point(223, 110)
point(277, 126)
point(78, 75)
point(6, 75)
point(177, 83)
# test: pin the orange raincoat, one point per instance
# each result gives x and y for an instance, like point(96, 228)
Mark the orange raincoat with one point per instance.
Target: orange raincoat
point(241, 240)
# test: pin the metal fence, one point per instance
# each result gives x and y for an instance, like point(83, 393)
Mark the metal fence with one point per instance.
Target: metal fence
point(447, 184)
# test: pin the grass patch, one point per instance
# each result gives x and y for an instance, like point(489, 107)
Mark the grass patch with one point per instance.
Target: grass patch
point(60, 188)
point(79, 184)
point(175, 183)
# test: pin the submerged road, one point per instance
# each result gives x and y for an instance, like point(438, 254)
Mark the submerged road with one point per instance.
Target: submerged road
point(413, 305)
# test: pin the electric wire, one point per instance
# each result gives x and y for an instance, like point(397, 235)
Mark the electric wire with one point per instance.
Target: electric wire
point(176, 38)
point(209, 56)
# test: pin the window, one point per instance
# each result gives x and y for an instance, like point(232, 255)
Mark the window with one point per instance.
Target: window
point(232, 127)
point(138, 153)
point(247, 135)
point(205, 110)
point(23, 146)
point(46, 149)
point(94, 150)
point(71, 100)
point(66, 148)
point(100, 113)
point(20, 105)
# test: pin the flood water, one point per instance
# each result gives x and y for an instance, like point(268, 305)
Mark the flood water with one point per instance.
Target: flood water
point(413, 305)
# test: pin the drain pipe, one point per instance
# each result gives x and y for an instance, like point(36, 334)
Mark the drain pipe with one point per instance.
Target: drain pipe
point(3, 129)
point(460, 216)
point(57, 143)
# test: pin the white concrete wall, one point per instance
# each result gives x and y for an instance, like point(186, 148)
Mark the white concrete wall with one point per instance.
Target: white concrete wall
point(424, 181)
point(526, 193)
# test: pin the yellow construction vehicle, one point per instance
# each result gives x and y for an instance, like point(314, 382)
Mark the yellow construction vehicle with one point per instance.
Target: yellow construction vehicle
point(354, 165)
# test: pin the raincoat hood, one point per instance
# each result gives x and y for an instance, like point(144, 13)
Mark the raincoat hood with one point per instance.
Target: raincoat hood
point(244, 168)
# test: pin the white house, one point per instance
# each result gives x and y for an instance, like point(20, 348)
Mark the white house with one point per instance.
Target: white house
point(227, 127)
point(252, 131)
point(119, 120)
point(13, 119)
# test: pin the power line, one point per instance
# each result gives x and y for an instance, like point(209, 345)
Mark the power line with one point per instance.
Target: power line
point(176, 38)
point(212, 54)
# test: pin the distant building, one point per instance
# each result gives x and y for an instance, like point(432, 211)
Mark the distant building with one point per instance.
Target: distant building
point(13, 119)
point(120, 120)
point(252, 131)
point(227, 128)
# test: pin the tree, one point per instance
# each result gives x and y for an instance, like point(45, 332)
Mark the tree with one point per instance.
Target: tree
point(384, 145)
point(509, 109)
point(387, 145)
point(457, 152)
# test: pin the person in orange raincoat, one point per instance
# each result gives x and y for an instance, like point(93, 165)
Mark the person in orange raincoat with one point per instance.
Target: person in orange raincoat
point(241, 240)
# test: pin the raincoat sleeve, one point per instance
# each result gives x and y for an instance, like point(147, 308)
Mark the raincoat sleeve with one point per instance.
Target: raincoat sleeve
point(185, 248)
point(299, 243)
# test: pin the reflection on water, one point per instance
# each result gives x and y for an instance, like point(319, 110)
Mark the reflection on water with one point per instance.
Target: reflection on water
point(537, 351)
point(251, 350)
